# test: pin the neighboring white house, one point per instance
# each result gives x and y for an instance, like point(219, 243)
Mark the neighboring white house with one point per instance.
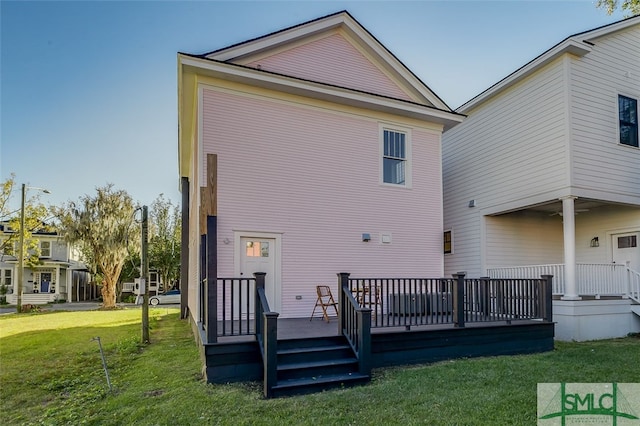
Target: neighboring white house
point(58, 276)
point(543, 176)
point(328, 160)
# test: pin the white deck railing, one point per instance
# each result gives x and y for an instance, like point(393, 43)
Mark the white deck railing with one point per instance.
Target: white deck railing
point(634, 284)
point(595, 279)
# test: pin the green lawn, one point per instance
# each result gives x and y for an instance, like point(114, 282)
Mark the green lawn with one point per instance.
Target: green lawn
point(51, 373)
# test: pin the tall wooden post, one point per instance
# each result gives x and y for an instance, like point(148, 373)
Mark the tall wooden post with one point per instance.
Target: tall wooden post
point(209, 227)
point(184, 251)
point(144, 260)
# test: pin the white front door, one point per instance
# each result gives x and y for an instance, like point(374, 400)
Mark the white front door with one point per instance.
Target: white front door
point(626, 249)
point(260, 255)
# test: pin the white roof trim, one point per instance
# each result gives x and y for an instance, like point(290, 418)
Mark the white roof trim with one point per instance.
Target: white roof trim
point(291, 85)
point(568, 46)
point(577, 44)
point(345, 21)
point(607, 29)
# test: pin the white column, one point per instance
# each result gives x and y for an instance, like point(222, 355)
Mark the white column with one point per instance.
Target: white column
point(58, 283)
point(569, 228)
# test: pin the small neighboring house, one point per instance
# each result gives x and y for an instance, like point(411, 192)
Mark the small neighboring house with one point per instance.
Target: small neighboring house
point(543, 177)
point(136, 289)
point(328, 159)
point(57, 277)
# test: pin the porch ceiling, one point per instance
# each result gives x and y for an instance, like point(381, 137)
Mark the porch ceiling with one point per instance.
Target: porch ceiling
point(554, 207)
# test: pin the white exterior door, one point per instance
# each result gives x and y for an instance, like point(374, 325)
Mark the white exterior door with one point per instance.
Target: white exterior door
point(626, 249)
point(261, 255)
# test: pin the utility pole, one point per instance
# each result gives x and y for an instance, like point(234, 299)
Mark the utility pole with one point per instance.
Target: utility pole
point(21, 252)
point(144, 257)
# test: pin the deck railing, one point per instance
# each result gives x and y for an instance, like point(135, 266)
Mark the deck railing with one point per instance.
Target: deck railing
point(236, 306)
point(593, 279)
point(355, 324)
point(409, 302)
point(266, 326)
point(634, 284)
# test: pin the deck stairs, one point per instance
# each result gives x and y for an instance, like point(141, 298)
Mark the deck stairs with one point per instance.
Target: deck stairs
point(316, 364)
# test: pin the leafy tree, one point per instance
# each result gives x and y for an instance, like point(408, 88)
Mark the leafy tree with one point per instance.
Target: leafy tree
point(630, 7)
point(164, 240)
point(102, 227)
point(35, 215)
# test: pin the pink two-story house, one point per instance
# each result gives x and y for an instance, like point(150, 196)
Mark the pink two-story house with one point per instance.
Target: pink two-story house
point(328, 159)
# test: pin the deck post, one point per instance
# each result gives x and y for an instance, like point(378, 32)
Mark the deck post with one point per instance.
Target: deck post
point(458, 300)
point(548, 297)
point(270, 358)
point(364, 341)
point(212, 279)
point(343, 285)
point(484, 295)
point(260, 280)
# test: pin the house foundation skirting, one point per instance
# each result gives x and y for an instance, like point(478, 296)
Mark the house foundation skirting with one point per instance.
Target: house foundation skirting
point(582, 320)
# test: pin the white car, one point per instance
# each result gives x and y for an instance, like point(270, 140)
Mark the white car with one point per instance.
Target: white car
point(170, 297)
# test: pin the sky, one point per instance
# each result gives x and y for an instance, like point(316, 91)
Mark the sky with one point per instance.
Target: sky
point(88, 89)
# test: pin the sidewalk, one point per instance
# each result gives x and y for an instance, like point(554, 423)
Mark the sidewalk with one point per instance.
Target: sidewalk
point(75, 306)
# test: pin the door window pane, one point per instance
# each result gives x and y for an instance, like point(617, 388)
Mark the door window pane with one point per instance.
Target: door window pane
point(627, 242)
point(257, 249)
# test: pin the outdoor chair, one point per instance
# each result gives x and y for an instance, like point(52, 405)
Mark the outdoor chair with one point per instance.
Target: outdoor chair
point(324, 300)
point(369, 297)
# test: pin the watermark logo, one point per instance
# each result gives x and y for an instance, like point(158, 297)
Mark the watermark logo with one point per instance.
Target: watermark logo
point(615, 404)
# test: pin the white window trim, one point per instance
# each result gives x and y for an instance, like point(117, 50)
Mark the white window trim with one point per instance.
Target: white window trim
point(637, 99)
point(3, 276)
point(50, 249)
point(452, 247)
point(408, 151)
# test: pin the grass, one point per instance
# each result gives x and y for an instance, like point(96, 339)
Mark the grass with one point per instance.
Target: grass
point(51, 373)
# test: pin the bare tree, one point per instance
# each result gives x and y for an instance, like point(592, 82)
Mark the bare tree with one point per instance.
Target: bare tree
point(102, 228)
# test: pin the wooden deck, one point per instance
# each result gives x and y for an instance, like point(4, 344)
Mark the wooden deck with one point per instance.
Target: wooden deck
point(238, 358)
point(413, 321)
point(300, 328)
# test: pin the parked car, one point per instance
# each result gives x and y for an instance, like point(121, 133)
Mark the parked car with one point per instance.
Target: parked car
point(171, 296)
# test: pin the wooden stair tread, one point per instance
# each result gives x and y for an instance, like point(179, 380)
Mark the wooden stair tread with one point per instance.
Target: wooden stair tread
point(312, 349)
point(313, 364)
point(320, 380)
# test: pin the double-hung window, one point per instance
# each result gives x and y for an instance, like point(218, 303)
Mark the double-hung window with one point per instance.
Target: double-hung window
point(5, 277)
point(448, 242)
point(45, 248)
point(395, 157)
point(628, 119)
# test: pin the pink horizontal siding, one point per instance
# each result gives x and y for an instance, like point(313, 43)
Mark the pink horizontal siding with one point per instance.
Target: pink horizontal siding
point(314, 176)
point(332, 60)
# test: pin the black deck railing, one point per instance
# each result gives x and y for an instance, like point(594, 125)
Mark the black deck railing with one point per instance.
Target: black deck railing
point(236, 306)
point(266, 326)
point(408, 302)
point(355, 324)
point(397, 302)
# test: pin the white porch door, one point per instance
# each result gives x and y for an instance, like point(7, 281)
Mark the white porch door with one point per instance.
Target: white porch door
point(260, 255)
point(626, 249)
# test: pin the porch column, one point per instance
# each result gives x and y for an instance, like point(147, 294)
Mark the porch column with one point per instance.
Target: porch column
point(569, 228)
point(58, 284)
